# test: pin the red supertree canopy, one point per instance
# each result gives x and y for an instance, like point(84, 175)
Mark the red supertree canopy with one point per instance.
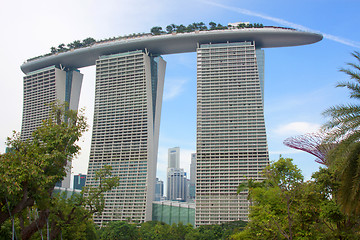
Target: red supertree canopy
point(313, 143)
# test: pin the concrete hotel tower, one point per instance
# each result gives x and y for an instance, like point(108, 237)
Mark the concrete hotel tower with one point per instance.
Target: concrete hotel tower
point(42, 87)
point(231, 138)
point(128, 96)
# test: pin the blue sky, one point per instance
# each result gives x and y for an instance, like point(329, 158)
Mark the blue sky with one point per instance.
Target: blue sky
point(299, 81)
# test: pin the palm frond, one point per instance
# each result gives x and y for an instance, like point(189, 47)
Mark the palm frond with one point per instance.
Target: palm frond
point(353, 75)
point(344, 128)
point(356, 55)
point(353, 87)
point(350, 180)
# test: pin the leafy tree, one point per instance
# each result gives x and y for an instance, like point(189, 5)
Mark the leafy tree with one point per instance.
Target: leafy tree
point(155, 230)
point(326, 183)
point(77, 44)
point(61, 48)
point(179, 231)
point(169, 29)
point(275, 200)
point(70, 217)
point(285, 207)
point(219, 26)
point(29, 172)
point(208, 232)
point(241, 25)
point(191, 27)
point(181, 29)
point(174, 27)
point(119, 230)
point(202, 26)
point(344, 125)
point(156, 30)
point(70, 45)
point(53, 50)
point(88, 41)
point(212, 25)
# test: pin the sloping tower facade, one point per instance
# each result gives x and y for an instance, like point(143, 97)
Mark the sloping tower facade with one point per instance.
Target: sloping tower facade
point(231, 139)
point(128, 96)
point(43, 87)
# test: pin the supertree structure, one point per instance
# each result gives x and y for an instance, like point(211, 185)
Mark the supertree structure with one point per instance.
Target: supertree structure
point(313, 143)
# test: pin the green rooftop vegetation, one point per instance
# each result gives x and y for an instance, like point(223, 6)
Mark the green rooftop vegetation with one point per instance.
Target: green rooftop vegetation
point(201, 27)
point(170, 29)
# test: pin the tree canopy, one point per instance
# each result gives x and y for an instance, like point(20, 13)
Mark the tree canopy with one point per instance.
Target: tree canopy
point(32, 167)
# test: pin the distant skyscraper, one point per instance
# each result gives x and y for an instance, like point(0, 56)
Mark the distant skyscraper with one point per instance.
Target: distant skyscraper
point(159, 190)
point(174, 157)
point(177, 187)
point(45, 86)
point(231, 138)
point(79, 181)
point(192, 182)
point(176, 184)
point(128, 96)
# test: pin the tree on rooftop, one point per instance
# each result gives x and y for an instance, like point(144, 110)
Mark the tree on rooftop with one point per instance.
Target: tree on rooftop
point(181, 28)
point(202, 26)
point(61, 47)
point(169, 28)
point(77, 44)
point(53, 50)
point(88, 41)
point(156, 30)
point(212, 25)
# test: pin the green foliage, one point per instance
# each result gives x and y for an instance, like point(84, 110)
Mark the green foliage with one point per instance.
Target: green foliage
point(30, 170)
point(286, 207)
point(344, 128)
point(161, 231)
point(6, 229)
point(156, 30)
point(72, 217)
point(119, 230)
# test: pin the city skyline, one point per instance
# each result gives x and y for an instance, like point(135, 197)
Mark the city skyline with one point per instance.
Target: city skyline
point(305, 81)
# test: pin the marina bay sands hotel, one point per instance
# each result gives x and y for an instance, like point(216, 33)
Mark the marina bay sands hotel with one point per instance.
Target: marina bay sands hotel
point(231, 141)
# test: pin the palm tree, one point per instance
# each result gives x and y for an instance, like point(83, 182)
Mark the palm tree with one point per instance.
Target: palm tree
point(344, 126)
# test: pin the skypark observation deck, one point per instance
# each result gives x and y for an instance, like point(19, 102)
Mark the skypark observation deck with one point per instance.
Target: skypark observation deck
point(267, 37)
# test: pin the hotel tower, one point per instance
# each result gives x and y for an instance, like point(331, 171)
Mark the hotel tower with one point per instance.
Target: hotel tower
point(128, 96)
point(231, 142)
point(45, 86)
point(231, 139)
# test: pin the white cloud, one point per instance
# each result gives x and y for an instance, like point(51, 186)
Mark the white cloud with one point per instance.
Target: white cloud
point(173, 88)
point(341, 40)
point(287, 151)
point(296, 128)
